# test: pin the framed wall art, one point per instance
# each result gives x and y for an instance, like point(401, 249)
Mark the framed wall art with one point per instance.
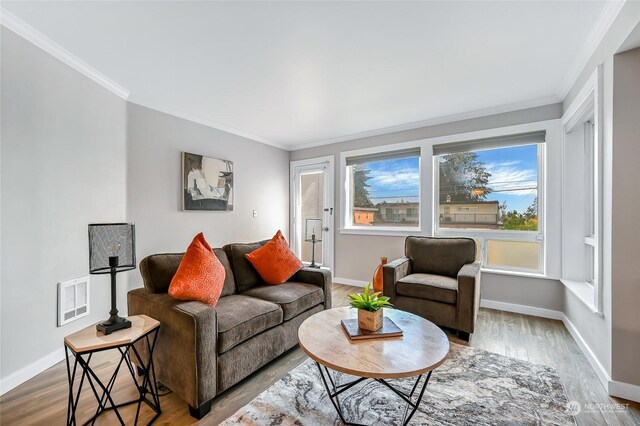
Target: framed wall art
point(207, 183)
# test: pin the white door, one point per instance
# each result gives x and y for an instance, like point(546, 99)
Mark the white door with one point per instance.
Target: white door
point(312, 211)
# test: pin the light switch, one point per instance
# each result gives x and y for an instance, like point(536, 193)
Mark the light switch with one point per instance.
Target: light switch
point(255, 214)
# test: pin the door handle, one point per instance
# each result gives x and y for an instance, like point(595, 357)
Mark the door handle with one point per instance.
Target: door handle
point(325, 228)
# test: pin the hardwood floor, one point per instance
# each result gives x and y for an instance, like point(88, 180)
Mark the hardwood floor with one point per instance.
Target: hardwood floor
point(43, 399)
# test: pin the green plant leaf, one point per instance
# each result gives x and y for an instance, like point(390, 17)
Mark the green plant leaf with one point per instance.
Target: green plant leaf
point(369, 301)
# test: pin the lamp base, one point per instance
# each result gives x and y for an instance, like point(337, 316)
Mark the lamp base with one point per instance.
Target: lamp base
point(112, 324)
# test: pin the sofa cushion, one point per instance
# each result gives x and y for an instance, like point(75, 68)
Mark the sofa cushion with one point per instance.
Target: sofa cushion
point(294, 298)
point(438, 288)
point(200, 275)
point(440, 256)
point(229, 281)
point(241, 317)
point(157, 270)
point(274, 261)
point(246, 275)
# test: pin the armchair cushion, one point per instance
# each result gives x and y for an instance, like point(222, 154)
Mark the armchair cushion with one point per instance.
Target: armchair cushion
point(241, 317)
point(438, 288)
point(439, 256)
point(293, 298)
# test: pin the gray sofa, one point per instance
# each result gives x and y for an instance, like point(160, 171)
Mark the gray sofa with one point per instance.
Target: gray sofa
point(437, 279)
point(202, 351)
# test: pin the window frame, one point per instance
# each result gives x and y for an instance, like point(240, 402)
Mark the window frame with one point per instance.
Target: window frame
point(587, 105)
point(484, 235)
point(553, 195)
point(346, 225)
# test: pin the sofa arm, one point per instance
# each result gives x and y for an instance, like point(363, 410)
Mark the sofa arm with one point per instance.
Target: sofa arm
point(468, 296)
point(185, 355)
point(316, 276)
point(393, 272)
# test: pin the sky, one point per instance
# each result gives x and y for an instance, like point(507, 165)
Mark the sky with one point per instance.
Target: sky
point(514, 177)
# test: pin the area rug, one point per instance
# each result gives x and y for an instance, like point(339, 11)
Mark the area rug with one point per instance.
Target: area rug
point(472, 387)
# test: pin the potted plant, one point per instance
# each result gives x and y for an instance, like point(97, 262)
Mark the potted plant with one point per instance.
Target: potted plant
point(369, 306)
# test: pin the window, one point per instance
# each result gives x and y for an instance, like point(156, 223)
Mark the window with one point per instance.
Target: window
point(589, 202)
point(490, 190)
point(581, 195)
point(383, 190)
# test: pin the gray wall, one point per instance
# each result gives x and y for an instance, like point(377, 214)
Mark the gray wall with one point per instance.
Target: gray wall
point(540, 293)
point(595, 330)
point(155, 141)
point(626, 204)
point(73, 153)
point(62, 167)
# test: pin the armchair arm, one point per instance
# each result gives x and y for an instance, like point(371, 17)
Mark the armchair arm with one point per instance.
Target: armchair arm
point(316, 276)
point(468, 296)
point(393, 272)
point(185, 355)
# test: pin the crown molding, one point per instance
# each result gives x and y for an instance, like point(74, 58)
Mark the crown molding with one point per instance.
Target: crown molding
point(608, 15)
point(148, 103)
point(483, 112)
point(24, 30)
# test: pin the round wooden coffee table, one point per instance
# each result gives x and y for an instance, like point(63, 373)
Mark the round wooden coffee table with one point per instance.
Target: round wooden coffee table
point(422, 348)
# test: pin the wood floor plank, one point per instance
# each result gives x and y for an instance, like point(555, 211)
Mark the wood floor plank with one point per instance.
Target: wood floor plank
point(43, 399)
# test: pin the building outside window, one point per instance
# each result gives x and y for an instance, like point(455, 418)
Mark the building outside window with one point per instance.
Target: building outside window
point(487, 189)
point(490, 190)
point(383, 190)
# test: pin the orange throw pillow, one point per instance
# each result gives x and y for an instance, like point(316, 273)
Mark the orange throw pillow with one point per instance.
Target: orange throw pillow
point(200, 275)
point(274, 261)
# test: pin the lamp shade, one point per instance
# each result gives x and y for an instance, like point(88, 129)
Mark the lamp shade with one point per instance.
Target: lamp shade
point(111, 240)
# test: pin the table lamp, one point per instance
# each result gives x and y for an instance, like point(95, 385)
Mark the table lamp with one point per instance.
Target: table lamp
point(112, 249)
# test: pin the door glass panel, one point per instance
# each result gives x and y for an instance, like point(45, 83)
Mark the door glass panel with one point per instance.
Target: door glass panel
point(311, 214)
point(514, 254)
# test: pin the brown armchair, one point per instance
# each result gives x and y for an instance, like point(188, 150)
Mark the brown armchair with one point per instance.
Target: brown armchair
point(437, 279)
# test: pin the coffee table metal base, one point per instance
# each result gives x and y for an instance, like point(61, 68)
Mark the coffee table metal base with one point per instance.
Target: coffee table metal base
point(334, 392)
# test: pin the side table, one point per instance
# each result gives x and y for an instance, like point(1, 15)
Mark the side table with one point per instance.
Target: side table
point(88, 341)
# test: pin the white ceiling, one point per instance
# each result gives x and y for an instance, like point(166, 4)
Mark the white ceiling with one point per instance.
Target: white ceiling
point(304, 73)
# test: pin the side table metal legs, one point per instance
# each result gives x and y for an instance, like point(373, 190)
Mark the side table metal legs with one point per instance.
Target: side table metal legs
point(102, 392)
point(334, 392)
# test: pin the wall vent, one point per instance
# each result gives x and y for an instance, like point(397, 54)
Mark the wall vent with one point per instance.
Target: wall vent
point(73, 300)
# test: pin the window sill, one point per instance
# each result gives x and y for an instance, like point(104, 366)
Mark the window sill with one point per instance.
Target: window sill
point(382, 231)
point(585, 292)
point(538, 275)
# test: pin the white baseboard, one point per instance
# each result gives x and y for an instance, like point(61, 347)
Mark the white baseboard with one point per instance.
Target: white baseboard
point(31, 370)
point(348, 281)
point(624, 390)
point(613, 388)
point(521, 309)
point(599, 369)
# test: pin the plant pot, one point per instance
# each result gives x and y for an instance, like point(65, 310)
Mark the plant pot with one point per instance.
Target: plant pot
point(370, 321)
